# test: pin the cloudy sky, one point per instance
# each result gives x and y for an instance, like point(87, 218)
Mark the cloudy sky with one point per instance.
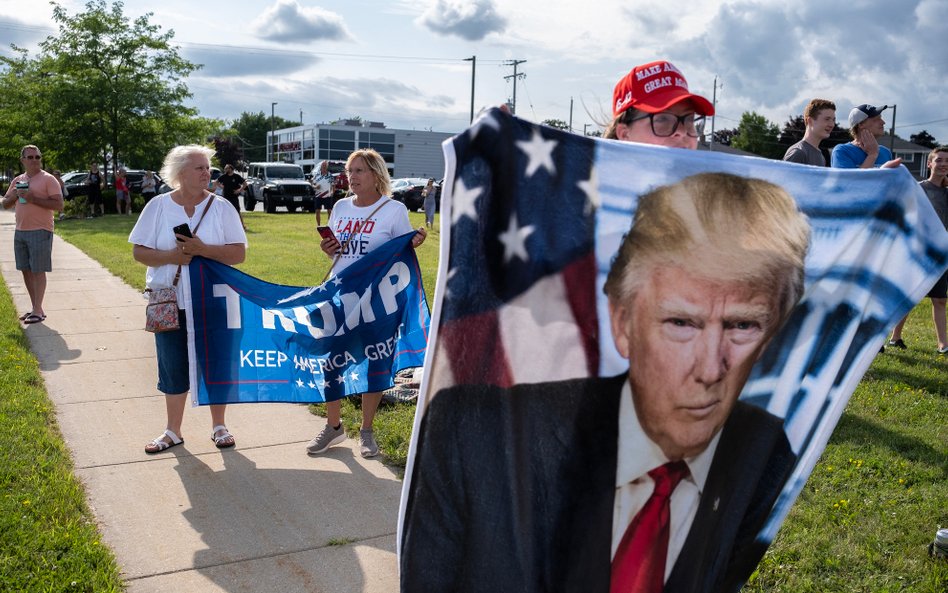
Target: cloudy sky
point(403, 61)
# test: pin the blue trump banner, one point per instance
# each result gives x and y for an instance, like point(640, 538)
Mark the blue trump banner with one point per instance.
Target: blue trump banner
point(615, 320)
point(252, 341)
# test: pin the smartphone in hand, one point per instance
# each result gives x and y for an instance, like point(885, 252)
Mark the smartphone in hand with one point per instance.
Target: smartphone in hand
point(325, 232)
point(182, 229)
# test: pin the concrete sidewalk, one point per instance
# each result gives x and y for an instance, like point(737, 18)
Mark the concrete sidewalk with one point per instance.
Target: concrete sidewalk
point(262, 517)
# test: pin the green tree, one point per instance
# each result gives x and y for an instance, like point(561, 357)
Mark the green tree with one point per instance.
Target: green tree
point(112, 88)
point(556, 123)
point(20, 123)
point(792, 132)
point(756, 134)
point(923, 138)
point(251, 130)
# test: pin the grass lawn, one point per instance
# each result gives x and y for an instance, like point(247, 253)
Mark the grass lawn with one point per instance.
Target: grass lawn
point(864, 518)
point(48, 537)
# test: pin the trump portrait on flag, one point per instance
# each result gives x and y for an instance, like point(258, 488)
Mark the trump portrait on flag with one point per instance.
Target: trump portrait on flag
point(673, 495)
point(638, 354)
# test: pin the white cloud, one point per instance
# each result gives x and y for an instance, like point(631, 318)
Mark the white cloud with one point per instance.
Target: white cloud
point(469, 19)
point(233, 62)
point(287, 21)
point(23, 34)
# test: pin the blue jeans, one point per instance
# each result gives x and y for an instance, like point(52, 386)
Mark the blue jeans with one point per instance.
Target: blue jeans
point(172, 349)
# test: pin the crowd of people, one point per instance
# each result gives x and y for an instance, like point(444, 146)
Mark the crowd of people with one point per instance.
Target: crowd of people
point(866, 126)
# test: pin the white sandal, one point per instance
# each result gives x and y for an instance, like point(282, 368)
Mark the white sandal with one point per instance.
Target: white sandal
point(223, 441)
point(160, 444)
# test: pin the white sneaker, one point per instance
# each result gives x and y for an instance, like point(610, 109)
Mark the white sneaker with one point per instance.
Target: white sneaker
point(328, 437)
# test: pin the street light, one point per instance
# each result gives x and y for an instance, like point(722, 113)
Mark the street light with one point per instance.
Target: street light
point(271, 155)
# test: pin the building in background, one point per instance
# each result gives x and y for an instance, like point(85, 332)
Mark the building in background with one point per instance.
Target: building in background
point(408, 153)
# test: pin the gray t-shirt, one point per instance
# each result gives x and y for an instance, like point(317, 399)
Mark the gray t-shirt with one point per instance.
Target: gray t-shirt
point(938, 196)
point(805, 153)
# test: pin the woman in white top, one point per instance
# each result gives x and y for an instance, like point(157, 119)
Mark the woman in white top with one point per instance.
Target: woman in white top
point(219, 236)
point(360, 224)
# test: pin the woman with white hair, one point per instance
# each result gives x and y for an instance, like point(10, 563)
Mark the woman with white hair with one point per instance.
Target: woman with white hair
point(217, 235)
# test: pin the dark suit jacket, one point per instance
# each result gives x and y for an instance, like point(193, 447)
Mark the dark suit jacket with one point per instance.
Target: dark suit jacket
point(514, 489)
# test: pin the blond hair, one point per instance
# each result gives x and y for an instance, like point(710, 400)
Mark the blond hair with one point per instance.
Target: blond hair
point(374, 161)
point(719, 226)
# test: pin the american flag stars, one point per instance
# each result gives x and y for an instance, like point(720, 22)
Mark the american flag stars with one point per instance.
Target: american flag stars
point(515, 240)
point(539, 153)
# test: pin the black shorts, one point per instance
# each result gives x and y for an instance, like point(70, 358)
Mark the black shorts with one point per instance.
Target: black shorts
point(940, 290)
point(95, 197)
point(324, 202)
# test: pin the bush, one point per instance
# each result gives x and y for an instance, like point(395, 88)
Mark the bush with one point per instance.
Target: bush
point(76, 207)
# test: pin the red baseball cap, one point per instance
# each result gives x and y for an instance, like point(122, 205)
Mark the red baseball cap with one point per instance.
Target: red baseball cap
point(655, 87)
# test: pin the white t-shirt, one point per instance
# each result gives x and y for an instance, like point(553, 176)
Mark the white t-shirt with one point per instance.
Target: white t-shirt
point(388, 222)
point(221, 226)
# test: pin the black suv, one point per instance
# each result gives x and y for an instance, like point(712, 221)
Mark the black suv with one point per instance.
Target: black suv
point(278, 184)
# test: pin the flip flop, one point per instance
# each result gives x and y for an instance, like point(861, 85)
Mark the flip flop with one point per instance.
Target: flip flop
point(34, 318)
point(160, 444)
point(223, 441)
point(25, 315)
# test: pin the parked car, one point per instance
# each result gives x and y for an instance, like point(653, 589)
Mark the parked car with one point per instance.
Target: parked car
point(278, 184)
point(75, 182)
point(407, 190)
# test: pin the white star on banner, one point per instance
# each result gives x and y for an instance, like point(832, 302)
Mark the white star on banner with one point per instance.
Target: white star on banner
point(589, 187)
point(515, 240)
point(539, 153)
point(341, 379)
point(337, 280)
point(299, 382)
point(311, 385)
point(462, 201)
point(447, 291)
point(354, 376)
point(485, 121)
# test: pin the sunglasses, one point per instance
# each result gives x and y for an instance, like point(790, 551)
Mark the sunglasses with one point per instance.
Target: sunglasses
point(31, 157)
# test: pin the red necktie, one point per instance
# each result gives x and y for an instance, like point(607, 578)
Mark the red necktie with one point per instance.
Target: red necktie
point(639, 563)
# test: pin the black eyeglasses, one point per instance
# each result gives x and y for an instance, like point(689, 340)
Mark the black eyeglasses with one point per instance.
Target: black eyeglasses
point(666, 124)
point(31, 157)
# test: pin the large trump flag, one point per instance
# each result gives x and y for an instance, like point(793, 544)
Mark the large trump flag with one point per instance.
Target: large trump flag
point(532, 220)
point(253, 341)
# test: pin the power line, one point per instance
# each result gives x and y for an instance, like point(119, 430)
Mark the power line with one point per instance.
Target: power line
point(934, 121)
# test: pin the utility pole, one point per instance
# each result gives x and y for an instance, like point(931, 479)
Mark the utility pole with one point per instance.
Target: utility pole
point(301, 117)
point(473, 61)
point(714, 104)
point(571, 115)
point(514, 76)
point(271, 155)
point(892, 133)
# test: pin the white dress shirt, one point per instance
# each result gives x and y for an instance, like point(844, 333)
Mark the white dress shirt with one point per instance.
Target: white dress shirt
point(638, 455)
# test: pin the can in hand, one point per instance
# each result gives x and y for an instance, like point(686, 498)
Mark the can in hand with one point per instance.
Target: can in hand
point(25, 186)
